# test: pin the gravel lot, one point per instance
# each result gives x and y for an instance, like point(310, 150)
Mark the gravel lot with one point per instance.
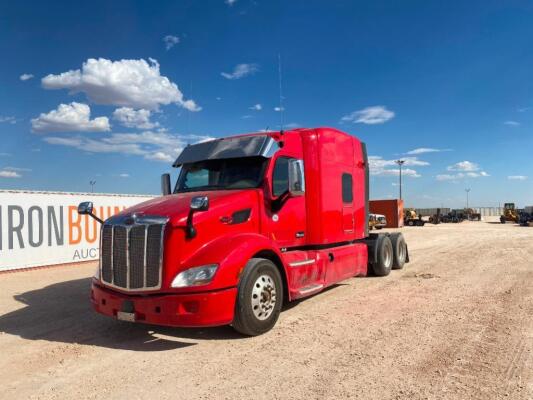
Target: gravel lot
point(456, 323)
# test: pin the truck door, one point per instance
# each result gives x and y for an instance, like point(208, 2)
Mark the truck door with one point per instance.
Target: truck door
point(287, 219)
point(347, 203)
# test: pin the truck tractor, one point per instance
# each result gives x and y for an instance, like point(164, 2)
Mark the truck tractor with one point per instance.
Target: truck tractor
point(253, 221)
point(410, 218)
point(509, 214)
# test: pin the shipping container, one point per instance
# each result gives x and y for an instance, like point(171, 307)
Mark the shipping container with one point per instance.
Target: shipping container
point(391, 209)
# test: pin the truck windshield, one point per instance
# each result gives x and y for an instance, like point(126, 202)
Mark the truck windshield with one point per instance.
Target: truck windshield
point(232, 173)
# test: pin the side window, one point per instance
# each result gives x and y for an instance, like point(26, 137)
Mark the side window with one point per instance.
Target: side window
point(347, 190)
point(280, 176)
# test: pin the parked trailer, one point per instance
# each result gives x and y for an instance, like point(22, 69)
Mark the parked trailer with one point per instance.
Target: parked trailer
point(253, 221)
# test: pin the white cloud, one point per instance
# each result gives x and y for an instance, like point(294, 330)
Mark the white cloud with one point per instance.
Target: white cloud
point(291, 125)
point(464, 170)
point(523, 109)
point(9, 174)
point(241, 71)
point(423, 150)
point(381, 167)
point(160, 156)
point(9, 120)
point(17, 169)
point(278, 109)
point(369, 115)
point(25, 77)
point(511, 123)
point(170, 41)
point(256, 107)
point(126, 83)
point(156, 146)
point(134, 118)
point(124, 175)
point(464, 166)
point(247, 116)
point(230, 2)
point(73, 117)
point(517, 177)
point(461, 175)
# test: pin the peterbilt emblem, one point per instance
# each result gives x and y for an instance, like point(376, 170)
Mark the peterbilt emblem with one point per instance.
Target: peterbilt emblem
point(131, 219)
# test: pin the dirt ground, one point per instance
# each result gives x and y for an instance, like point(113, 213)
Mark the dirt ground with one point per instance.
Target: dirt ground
point(456, 323)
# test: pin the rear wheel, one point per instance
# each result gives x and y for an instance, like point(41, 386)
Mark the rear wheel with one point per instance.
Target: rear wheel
point(259, 298)
point(502, 220)
point(399, 249)
point(410, 222)
point(385, 257)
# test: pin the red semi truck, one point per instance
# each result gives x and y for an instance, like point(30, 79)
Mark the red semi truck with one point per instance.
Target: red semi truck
point(252, 222)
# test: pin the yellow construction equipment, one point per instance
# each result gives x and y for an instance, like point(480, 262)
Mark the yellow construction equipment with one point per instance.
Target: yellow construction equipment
point(509, 213)
point(410, 218)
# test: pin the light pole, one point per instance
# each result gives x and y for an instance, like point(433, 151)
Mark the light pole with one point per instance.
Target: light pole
point(400, 163)
point(92, 183)
point(467, 191)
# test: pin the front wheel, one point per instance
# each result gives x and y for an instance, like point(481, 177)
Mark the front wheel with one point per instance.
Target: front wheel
point(259, 298)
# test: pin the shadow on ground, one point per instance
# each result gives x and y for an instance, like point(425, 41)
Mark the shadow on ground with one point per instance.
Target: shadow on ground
point(62, 313)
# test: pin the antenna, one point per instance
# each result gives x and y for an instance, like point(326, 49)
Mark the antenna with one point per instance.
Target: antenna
point(280, 94)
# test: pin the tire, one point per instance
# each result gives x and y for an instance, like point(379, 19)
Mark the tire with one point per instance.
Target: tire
point(259, 298)
point(379, 227)
point(385, 256)
point(410, 222)
point(399, 249)
point(502, 220)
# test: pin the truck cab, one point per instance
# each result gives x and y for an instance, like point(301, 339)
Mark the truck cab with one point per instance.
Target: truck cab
point(253, 221)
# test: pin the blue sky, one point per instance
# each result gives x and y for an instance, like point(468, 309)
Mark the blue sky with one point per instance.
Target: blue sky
point(110, 91)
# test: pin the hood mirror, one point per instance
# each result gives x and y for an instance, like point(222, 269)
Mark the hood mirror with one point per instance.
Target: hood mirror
point(296, 178)
point(86, 208)
point(198, 203)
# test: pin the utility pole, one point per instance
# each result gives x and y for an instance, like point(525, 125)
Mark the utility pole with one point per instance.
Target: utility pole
point(400, 163)
point(467, 191)
point(92, 183)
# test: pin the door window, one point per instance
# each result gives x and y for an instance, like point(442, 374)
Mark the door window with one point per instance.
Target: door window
point(280, 176)
point(347, 190)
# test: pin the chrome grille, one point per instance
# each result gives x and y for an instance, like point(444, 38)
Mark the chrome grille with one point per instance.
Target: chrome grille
point(131, 252)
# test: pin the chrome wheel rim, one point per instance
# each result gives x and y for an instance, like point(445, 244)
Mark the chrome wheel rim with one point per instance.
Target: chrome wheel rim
point(263, 297)
point(401, 252)
point(388, 257)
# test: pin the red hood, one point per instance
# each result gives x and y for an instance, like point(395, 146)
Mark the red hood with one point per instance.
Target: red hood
point(176, 206)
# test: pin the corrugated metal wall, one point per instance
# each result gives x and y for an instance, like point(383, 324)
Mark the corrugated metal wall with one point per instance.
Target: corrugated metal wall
point(484, 211)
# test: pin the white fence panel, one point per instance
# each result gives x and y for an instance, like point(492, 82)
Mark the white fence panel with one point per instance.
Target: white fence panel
point(44, 228)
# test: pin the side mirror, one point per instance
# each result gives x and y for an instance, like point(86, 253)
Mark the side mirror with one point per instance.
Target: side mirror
point(296, 178)
point(165, 184)
point(85, 208)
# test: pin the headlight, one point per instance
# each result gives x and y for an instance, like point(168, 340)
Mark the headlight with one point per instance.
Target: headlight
point(195, 276)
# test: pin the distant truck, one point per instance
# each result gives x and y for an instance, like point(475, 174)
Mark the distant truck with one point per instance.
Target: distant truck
point(253, 221)
point(377, 221)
